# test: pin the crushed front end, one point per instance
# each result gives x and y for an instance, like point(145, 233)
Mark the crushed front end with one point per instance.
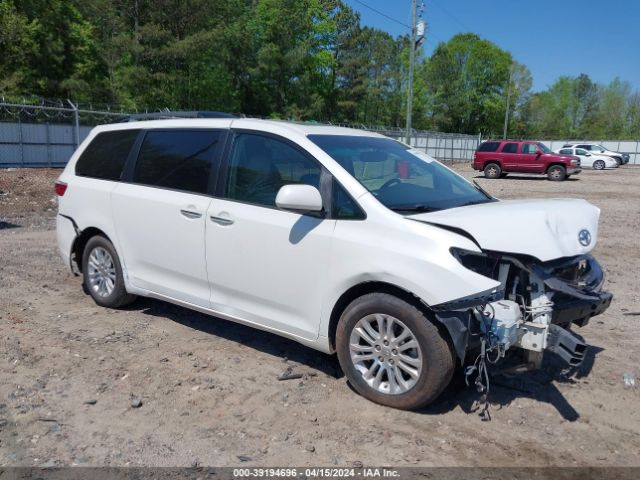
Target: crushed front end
point(532, 309)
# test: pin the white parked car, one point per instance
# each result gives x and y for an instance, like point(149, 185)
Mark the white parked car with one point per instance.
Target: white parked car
point(343, 240)
point(589, 160)
point(594, 148)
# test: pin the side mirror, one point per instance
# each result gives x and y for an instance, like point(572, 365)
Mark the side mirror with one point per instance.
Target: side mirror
point(587, 154)
point(299, 198)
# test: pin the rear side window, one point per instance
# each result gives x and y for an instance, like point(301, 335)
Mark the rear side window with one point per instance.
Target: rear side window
point(106, 155)
point(178, 159)
point(489, 147)
point(510, 148)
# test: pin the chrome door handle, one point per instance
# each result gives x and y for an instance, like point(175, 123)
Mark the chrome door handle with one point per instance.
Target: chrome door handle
point(190, 214)
point(221, 220)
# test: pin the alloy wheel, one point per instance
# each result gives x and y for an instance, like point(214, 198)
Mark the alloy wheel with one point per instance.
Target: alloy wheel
point(386, 353)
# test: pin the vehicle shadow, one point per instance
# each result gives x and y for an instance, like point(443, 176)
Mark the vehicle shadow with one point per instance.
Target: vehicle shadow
point(526, 177)
point(8, 225)
point(539, 385)
point(265, 342)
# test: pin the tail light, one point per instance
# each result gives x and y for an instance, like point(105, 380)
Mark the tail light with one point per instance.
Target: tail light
point(61, 187)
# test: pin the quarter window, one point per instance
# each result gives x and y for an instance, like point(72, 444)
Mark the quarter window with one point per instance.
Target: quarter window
point(106, 155)
point(261, 165)
point(344, 207)
point(510, 148)
point(489, 147)
point(178, 159)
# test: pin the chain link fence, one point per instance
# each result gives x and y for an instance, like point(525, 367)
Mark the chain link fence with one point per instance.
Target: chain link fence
point(46, 135)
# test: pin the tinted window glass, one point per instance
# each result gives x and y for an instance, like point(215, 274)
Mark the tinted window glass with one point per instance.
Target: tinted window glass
point(344, 207)
point(568, 151)
point(179, 159)
point(529, 148)
point(586, 147)
point(580, 151)
point(510, 148)
point(260, 166)
point(106, 155)
point(489, 147)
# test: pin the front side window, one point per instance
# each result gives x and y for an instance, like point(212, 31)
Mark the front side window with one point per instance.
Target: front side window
point(177, 159)
point(566, 151)
point(510, 148)
point(544, 148)
point(106, 155)
point(402, 179)
point(597, 148)
point(529, 148)
point(580, 151)
point(259, 166)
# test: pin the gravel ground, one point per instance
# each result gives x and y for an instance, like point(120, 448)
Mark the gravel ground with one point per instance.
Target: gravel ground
point(160, 385)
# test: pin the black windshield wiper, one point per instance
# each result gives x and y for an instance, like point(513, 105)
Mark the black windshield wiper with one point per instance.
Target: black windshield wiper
point(419, 208)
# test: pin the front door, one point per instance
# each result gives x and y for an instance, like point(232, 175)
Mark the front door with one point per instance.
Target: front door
point(531, 158)
point(267, 266)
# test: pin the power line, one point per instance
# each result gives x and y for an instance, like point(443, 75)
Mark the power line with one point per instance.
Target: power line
point(383, 14)
point(452, 16)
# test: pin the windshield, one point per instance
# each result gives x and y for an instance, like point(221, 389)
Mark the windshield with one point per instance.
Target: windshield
point(544, 148)
point(402, 179)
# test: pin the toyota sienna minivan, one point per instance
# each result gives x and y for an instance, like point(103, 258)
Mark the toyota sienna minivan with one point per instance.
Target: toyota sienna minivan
point(343, 240)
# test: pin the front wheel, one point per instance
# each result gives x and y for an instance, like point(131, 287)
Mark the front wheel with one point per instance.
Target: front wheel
point(599, 165)
point(102, 274)
point(556, 173)
point(391, 353)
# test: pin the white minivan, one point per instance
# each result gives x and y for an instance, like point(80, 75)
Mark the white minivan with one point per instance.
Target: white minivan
point(344, 240)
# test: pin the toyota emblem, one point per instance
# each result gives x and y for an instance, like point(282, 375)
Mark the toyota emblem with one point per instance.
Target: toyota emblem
point(584, 237)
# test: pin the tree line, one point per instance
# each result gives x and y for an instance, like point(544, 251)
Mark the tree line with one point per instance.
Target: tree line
point(298, 59)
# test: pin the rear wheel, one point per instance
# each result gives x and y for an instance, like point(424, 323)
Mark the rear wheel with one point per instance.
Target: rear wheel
point(391, 353)
point(556, 173)
point(102, 274)
point(599, 165)
point(492, 170)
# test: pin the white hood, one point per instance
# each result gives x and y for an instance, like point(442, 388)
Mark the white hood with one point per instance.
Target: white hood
point(545, 229)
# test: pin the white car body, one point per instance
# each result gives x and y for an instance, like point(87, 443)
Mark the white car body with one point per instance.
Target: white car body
point(587, 159)
point(596, 149)
point(286, 272)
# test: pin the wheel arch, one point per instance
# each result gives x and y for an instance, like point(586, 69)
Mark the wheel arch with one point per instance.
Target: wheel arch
point(80, 242)
point(554, 164)
point(493, 160)
point(383, 287)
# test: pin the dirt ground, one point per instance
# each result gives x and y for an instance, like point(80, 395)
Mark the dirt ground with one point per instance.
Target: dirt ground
point(209, 389)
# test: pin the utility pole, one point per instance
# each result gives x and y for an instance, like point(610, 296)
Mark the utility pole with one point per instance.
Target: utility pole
point(506, 111)
point(412, 59)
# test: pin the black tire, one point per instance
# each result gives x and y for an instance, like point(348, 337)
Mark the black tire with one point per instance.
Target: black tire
point(599, 165)
point(436, 358)
point(118, 296)
point(492, 170)
point(556, 173)
point(618, 160)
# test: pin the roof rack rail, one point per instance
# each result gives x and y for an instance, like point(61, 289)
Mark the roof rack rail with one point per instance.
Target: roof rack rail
point(166, 115)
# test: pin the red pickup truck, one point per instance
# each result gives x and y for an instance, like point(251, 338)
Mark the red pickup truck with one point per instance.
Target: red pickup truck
point(496, 158)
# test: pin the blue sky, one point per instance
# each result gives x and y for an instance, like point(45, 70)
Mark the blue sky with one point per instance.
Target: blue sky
point(553, 38)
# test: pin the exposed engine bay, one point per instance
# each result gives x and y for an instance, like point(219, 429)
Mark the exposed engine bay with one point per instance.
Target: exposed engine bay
point(532, 309)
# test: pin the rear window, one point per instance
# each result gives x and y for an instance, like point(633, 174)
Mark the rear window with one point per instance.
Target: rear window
point(510, 148)
point(179, 159)
point(489, 147)
point(106, 155)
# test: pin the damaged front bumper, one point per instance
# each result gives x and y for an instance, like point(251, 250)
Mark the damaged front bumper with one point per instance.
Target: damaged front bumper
point(533, 307)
